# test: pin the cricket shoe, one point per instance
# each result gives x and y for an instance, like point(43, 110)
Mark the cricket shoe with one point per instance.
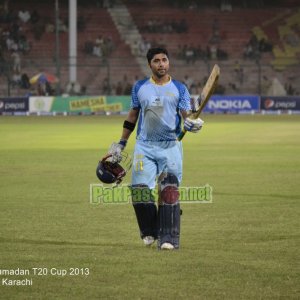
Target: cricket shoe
point(167, 246)
point(148, 240)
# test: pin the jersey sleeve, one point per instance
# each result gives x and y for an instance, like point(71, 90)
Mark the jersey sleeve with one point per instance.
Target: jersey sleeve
point(184, 98)
point(135, 103)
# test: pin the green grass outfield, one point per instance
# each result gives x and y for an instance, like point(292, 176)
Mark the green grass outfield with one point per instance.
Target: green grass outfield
point(244, 245)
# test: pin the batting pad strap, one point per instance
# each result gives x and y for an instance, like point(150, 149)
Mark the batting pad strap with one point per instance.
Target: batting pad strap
point(129, 125)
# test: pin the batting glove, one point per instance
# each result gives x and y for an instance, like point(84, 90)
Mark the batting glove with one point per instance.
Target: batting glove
point(193, 125)
point(115, 151)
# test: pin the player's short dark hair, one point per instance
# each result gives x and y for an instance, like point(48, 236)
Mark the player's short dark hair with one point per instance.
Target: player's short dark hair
point(153, 51)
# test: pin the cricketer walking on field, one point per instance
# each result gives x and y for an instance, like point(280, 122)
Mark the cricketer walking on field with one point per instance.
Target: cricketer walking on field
point(158, 105)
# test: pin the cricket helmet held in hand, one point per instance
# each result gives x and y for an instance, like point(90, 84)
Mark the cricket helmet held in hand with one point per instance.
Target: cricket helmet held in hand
point(113, 172)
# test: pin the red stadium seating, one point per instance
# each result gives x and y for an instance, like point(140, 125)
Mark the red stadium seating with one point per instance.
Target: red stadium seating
point(235, 28)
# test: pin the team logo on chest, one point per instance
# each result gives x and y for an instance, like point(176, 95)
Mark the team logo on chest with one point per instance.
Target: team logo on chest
point(156, 101)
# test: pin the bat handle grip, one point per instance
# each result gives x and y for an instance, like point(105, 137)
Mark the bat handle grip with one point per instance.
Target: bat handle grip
point(181, 134)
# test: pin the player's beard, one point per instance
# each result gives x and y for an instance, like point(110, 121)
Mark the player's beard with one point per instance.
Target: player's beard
point(161, 73)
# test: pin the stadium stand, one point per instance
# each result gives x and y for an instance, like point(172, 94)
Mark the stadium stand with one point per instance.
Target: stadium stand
point(209, 33)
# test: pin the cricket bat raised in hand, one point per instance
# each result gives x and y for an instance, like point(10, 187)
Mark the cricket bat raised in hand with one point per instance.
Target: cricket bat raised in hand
point(206, 93)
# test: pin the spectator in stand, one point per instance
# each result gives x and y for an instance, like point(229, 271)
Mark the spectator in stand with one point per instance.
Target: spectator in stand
point(213, 52)
point(35, 17)
point(226, 5)
point(105, 89)
point(127, 89)
point(143, 47)
point(9, 42)
point(25, 84)
point(192, 5)
point(156, 25)
point(97, 51)
point(113, 90)
point(140, 47)
point(108, 3)
point(73, 89)
point(253, 41)
point(16, 65)
point(196, 88)
point(119, 88)
point(108, 46)
point(233, 86)
point(147, 45)
point(248, 51)
point(23, 45)
point(290, 89)
point(15, 46)
point(62, 26)
point(49, 27)
point(221, 54)
point(102, 47)
point(44, 88)
point(24, 16)
point(99, 40)
point(16, 79)
point(190, 55)
point(83, 90)
point(253, 48)
point(135, 48)
point(188, 81)
point(291, 39)
point(99, 47)
point(89, 47)
point(41, 89)
point(264, 45)
point(151, 25)
point(239, 72)
point(207, 53)
point(49, 89)
point(38, 30)
point(220, 89)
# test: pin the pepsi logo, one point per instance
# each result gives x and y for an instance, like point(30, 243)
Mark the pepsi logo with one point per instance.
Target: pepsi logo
point(269, 103)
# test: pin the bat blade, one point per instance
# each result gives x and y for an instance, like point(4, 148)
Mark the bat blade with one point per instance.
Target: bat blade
point(206, 93)
point(208, 89)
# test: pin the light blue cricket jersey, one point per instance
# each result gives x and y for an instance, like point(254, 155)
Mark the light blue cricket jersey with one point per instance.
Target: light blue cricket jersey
point(159, 105)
